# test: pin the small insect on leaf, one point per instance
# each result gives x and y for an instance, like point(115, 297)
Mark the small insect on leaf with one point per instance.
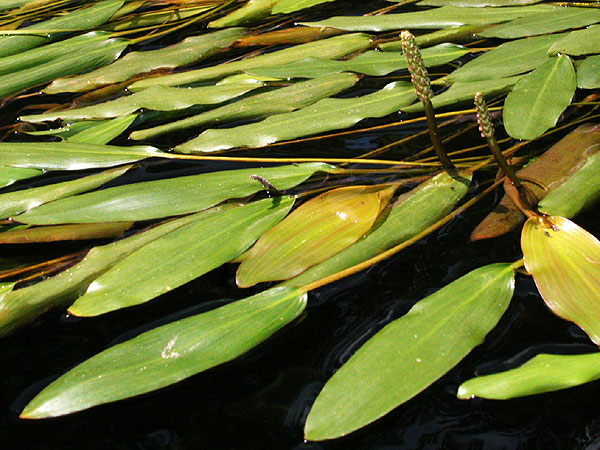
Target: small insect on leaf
point(564, 261)
point(315, 231)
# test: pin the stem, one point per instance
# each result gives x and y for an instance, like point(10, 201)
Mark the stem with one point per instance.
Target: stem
point(447, 164)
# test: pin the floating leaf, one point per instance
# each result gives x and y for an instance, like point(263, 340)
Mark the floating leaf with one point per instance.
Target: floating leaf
point(181, 256)
point(285, 99)
point(153, 18)
point(69, 155)
point(564, 261)
point(294, 35)
point(13, 203)
point(325, 115)
point(369, 63)
point(412, 352)
point(542, 373)
point(170, 353)
point(465, 33)
point(9, 175)
point(579, 42)
point(577, 193)
point(545, 22)
point(475, 3)
point(251, 12)
point(539, 98)
point(288, 6)
point(334, 47)
point(156, 98)
point(168, 197)
point(188, 51)
point(412, 213)
point(588, 73)
point(81, 19)
point(315, 231)
point(103, 132)
point(55, 233)
point(510, 58)
point(9, 4)
point(446, 16)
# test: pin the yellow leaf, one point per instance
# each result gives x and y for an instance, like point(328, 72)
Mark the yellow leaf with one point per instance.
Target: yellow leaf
point(318, 229)
point(564, 261)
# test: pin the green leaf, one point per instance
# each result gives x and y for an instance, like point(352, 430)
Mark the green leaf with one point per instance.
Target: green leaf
point(156, 98)
point(285, 99)
point(464, 33)
point(167, 197)
point(539, 98)
point(542, 373)
point(86, 58)
point(188, 51)
point(412, 213)
point(564, 261)
point(369, 63)
point(69, 155)
point(9, 175)
point(55, 233)
point(579, 42)
point(334, 47)
point(412, 352)
point(546, 22)
point(447, 16)
point(23, 305)
point(81, 19)
point(181, 256)
point(577, 193)
point(251, 12)
point(9, 4)
point(103, 132)
point(325, 115)
point(475, 3)
point(508, 59)
point(170, 353)
point(13, 203)
point(588, 73)
point(316, 230)
point(289, 6)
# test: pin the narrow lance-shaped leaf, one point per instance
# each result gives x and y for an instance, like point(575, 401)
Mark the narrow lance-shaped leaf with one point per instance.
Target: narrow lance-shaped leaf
point(476, 3)
point(82, 19)
point(462, 34)
point(54, 233)
point(168, 197)
point(281, 100)
point(542, 373)
point(334, 47)
point(325, 115)
point(181, 256)
point(23, 305)
point(69, 155)
point(579, 42)
point(538, 99)
point(103, 132)
point(251, 12)
point(294, 35)
point(9, 175)
point(564, 261)
point(152, 18)
point(288, 6)
point(588, 73)
point(188, 51)
point(315, 231)
point(13, 203)
point(412, 352)
point(169, 353)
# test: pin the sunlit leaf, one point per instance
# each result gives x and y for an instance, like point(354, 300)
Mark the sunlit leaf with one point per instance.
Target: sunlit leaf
point(81, 19)
point(288, 6)
point(170, 353)
point(542, 373)
point(55, 233)
point(13, 203)
point(251, 12)
point(152, 18)
point(285, 99)
point(9, 175)
point(446, 16)
point(539, 98)
point(325, 115)
point(315, 231)
point(412, 352)
point(167, 197)
point(9, 4)
point(188, 51)
point(475, 3)
point(334, 47)
point(564, 261)
point(69, 155)
point(579, 42)
point(464, 33)
point(588, 73)
point(545, 22)
point(104, 132)
point(294, 35)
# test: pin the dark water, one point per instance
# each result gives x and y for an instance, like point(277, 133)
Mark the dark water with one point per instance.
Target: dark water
point(260, 401)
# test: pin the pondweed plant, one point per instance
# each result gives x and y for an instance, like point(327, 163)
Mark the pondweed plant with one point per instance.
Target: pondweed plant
point(304, 221)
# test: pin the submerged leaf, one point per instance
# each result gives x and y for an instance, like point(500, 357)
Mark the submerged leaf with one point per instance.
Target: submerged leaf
point(315, 231)
point(181, 256)
point(542, 373)
point(412, 352)
point(55, 233)
point(564, 261)
point(170, 353)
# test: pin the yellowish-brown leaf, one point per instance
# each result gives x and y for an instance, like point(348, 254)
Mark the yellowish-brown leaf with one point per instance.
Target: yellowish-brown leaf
point(564, 261)
point(318, 229)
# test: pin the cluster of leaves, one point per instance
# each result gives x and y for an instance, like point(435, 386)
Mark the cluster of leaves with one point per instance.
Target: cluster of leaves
point(174, 230)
